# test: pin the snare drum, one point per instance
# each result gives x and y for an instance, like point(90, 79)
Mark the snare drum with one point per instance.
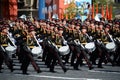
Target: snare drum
point(90, 46)
point(110, 46)
point(10, 49)
point(37, 51)
point(64, 50)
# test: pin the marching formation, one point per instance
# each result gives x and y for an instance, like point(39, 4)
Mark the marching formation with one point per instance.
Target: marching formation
point(59, 42)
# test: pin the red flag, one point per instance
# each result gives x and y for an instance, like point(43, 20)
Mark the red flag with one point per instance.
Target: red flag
point(96, 8)
point(102, 11)
point(110, 15)
point(93, 11)
point(107, 12)
point(13, 9)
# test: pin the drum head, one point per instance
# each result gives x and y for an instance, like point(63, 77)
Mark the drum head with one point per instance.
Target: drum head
point(37, 50)
point(89, 45)
point(10, 48)
point(64, 50)
point(110, 46)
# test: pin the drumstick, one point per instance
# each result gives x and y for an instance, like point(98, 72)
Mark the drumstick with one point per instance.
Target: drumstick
point(11, 40)
point(36, 40)
point(2, 48)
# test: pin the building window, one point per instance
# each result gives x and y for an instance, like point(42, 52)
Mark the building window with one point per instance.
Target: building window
point(117, 1)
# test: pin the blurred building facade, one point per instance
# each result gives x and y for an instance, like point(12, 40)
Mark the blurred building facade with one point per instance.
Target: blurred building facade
point(14, 8)
point(30, 8)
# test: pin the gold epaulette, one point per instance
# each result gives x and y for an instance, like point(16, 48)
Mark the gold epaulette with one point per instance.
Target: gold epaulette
point(31, 46)
point(83, 43)
point(59, 46)
point(98, 39)
point(4, 44)
point(17, 35)
point(105, 42)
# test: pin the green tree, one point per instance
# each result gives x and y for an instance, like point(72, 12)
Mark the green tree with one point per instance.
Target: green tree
point(71, 9)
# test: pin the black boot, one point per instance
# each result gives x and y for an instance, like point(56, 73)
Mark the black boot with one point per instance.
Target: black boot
point(25, 73)
point(75, 67)
point(65, 70)
point(90, 68)
point(100, 63)
point(52, 70)
point(39, 71)
point(0, 69)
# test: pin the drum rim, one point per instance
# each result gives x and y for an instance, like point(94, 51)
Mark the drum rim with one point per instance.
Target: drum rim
point(108, 46)
point(8, 48)
point(65, 52)
point(91, 44)
point(39, 51)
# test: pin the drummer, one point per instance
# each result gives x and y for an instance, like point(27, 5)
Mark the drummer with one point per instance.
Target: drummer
point(83, 39)
point(104, 36)
point(27, 43)
point(116, 30)
point(53, 53)
point(4, 43)
point(75, 48)
point(30, 37)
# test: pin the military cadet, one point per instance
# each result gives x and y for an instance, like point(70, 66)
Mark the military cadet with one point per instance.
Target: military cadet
point(116, 35)
point(99, 29)
point(49, 34)
point(26, 44)
point(53, 51)
point(116, 30)
point(4, 40)
point(84, 38)
point(76, 49)
point(104, 36)
point(79, 49)
point(75, 32)
point(91, 30)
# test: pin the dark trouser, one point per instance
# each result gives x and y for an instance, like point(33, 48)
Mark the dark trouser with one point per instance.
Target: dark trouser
point(103, 55)
point(81, 53)
point(25, 60)
point(79, 60)
point(7, 59)
point(25, 64)
point(86, 59)
point(66, 57)
point(48, 59)
point(55, 57)
point(100, 50)
point(45, 51)
point(94, 56)
point(52, 62)
point(118, 57)
point(1, 60)
point(48, 56)
point(74, 54)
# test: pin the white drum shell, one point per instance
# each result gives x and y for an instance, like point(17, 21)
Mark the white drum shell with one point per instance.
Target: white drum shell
point(110, 46)
point(37, 51)
point(90, 46)
point(64, 50)
point(10, 49)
